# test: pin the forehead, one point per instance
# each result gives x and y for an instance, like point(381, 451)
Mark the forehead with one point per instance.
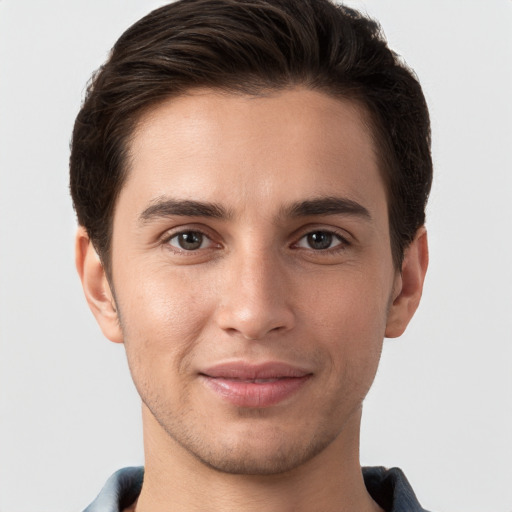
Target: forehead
point(237, 149)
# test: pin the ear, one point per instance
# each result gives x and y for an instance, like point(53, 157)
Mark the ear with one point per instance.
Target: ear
point(408, 285)
point(96, 287)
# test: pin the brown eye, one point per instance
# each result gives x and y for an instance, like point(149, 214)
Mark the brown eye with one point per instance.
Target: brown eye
point(189, 240)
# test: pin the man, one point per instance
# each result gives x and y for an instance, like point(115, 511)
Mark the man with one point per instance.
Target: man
point(250, 179)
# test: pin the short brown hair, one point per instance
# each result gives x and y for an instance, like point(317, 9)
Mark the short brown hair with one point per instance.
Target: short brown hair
point(251, 46)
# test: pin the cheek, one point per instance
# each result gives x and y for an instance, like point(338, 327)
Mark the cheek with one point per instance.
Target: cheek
point(352, 305)
point(349, 319)
point(161, 317)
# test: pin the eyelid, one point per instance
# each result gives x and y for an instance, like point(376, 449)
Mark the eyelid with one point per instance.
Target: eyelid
point(335, 238)
point(169, 234)
point(344, 236)
point(205, 240)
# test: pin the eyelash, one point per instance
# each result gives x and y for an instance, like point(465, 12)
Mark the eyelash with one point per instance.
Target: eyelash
point(167, 239)
point(342, 244)
point(334, 235)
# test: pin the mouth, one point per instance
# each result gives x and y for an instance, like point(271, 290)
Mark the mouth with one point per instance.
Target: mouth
point(254, 386)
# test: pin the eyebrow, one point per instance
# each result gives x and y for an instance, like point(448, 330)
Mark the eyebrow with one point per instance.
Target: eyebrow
point(162, 208)
point(327, 206)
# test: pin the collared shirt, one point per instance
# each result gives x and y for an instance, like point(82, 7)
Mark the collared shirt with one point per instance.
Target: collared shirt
point(388, 487)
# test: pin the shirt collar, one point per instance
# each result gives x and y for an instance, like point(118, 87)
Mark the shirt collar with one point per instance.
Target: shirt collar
point(388, 487)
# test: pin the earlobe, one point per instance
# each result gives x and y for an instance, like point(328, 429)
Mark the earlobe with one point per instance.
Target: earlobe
point(96, 287)
point(409, 285)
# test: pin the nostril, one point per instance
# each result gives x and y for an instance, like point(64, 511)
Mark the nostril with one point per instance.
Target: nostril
point(254, 334)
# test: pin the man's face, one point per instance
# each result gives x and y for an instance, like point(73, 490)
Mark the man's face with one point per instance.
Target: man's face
point(253, 274)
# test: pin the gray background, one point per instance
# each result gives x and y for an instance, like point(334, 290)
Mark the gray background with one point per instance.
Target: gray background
point(441, 404)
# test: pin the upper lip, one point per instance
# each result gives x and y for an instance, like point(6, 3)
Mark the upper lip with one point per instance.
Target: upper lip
point(241, 370)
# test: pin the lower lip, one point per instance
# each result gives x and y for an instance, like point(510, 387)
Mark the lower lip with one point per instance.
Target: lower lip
point(255, 394)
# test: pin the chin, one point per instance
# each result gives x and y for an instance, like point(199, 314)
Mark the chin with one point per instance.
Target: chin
point(256, 453)
point(248, 442)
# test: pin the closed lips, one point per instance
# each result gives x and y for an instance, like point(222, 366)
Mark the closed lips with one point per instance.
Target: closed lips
point(255, 386)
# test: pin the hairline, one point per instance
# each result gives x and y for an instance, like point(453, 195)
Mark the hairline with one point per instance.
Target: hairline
point(369, 119)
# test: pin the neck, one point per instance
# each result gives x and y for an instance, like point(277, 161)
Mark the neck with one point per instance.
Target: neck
point(176, 480)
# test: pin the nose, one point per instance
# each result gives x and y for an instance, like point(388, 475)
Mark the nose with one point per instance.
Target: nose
point(256, 298)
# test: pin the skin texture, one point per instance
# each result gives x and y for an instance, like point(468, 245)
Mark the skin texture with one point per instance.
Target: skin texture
point(256, 288)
